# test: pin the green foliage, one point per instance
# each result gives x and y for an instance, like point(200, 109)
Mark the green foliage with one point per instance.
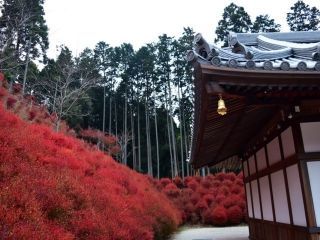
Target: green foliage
point(235, 19)
point(263, 23)
point(302, 17)
point(22, 21)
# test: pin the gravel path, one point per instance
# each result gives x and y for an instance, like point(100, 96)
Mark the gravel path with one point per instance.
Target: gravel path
point(228, 233)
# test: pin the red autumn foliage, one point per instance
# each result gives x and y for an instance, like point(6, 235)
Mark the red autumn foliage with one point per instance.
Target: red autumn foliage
point(201, 206)
point(11, 101)
point(16, 88)
point(178, 182)
point(193, 185)
point(216, 199)
point(235, 215)
point(164, 182)
point(209, 198)
point(171, 190)
point(54, 186)
point(219, 216)
point(57, 187)
point(108, 142)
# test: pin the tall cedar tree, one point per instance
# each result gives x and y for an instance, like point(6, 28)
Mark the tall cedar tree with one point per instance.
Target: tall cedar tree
point(303, 18)
point(107, 65)
point(182, 79)
point(164, 71)
point(24, 34)
point(235, 19)
point(263, 23)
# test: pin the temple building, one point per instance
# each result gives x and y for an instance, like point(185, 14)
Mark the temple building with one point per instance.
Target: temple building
point(258, 100)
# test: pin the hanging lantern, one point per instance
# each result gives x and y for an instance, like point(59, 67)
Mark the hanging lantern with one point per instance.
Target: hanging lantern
point(222, 110)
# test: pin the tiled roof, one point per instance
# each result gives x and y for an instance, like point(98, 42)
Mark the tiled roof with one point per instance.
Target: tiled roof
point(294, 51)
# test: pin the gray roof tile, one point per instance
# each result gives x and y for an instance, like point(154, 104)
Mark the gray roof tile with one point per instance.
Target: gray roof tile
point(299, 51)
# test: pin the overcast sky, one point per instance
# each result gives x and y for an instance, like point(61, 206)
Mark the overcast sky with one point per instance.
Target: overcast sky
point(82, 23)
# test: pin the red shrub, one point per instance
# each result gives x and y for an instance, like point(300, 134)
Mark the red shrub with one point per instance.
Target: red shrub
point(189, 208)
point(165, 181)
point(3, 92)
point(209, 198)
point(11, 101)
point(197, 178)
point(216, 183)
point(195, 197)
point(207, 183)
point(230, 176)
point(202, 191)
point(202, 197)
point(220, 176)
point(224, 190)
point(235, 215)
point(57, 187)
point(207, 216)
point(239, 182)
point(187, 180)
point(171, 190)
point(236, 189)
point(193, 185)
point(32, 115)
point(17, 88)
point(220, 198)
point(2, 77)
point(178, 182)
point(228, 183)
point(219, 216)
point(201, 206)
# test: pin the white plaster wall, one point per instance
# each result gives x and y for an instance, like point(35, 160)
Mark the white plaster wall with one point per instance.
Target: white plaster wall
point(266, 198)
point(314, 176)
point(249, 203)
point(296, 198)
point(252, 165)
point(280, 197)
point(261, 159)
point(311, 136)
point(274, 151)
point(245, 169)
point(256, 199)
point(287, 142)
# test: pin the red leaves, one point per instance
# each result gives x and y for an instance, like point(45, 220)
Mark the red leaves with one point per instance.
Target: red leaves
point(11, 101)
point(56, 187)
point(219, 216)
point(235, 215)
point(171, 190)
point(216, 199)
point(94, 136)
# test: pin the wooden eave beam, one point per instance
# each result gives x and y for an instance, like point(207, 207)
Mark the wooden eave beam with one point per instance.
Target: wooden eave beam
point(241, 76)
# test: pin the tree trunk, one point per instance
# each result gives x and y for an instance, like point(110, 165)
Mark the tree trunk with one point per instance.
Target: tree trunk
point(181, 137)
point(188, 171)
point(26, 68)
point(116, 119)
point(104, 115)
point(149, 159)
point(157, 139)
point(134, 157)
point(125, 128)
point(139, 139)
point(156, 128)
point(110, 114)
point(170, 147)
point(174, 151)
point(185, 141)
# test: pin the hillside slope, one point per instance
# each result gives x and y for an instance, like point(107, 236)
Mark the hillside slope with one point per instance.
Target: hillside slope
point(57, 187)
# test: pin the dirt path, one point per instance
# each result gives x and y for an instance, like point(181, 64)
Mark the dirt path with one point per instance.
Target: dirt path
point(228, 233)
